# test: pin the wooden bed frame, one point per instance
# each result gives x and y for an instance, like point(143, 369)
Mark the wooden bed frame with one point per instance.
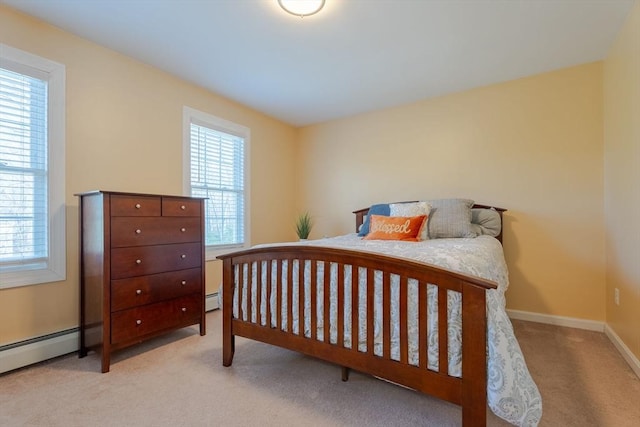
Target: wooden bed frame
point(469, 390)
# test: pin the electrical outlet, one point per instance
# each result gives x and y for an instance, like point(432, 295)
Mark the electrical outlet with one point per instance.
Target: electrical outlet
point(616, 296)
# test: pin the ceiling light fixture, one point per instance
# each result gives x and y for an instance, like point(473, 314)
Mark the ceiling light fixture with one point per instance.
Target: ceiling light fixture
point(301, 8)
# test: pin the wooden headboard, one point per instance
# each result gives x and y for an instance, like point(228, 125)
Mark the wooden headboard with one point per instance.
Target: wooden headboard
point(361, 215)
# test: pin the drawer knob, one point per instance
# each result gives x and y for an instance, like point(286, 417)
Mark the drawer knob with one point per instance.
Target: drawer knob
point(183, 256)
point(138, 231)
point(184, 309)
point(138, 261)
point(183, 207)
point(138, 206)
point(138, 291)
point(138, 322)
point(184, 282)
point(183, 229)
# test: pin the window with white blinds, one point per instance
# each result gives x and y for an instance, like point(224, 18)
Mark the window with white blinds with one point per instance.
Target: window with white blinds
point(31, 207)
point(217, 171)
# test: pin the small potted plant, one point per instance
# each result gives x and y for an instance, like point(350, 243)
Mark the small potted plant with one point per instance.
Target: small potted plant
point(304, 223)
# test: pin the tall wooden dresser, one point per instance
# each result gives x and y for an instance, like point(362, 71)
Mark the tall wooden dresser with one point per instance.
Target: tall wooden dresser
point(142, 270)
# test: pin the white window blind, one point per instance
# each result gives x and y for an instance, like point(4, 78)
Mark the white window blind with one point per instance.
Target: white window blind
point(32, 208)
point(23, 170)
point(217, 173)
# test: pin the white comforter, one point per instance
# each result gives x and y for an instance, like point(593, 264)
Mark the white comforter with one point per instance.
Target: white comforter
point(511, 392)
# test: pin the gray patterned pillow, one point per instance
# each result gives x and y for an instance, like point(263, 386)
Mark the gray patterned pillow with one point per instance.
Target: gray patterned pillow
point(450, 218)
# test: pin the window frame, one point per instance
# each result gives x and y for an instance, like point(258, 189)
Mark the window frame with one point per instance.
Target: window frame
point(191, 115)
point(55, 270)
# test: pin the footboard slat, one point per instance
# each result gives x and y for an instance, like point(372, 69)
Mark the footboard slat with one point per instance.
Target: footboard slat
point(340, 304)
point(370, 311)
point(279, 291)
point(240, 290)
point(250, 296)
point(243, 280)
point(268, 300)
point(259, 292)
point(386, 315)
point(326, 304)
point(301, 298)
point(290, 295)
point(404, 334)
point(355, 318)
point(443, 332)
point(423, 320)
point(313, 295)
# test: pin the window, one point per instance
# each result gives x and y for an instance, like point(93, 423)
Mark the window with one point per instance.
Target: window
point(215, 167)
point(32, 210)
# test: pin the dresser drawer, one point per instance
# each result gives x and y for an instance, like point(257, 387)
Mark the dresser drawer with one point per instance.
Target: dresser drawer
point(154, 230)
point(136, 291)
point(133, 205)
point(142, 260)
point(135, 323)
point(180, 206)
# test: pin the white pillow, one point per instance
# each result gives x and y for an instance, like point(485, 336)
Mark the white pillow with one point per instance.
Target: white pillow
point(412, 209)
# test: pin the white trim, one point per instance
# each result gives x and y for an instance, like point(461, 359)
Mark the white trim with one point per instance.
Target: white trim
point(190, 115)
point(569, 322)
point(37, 350)
point(211, 302)
point(54, 73)
point(24, 355)
point(626, 353)
point(40, 349)
point(590, 325)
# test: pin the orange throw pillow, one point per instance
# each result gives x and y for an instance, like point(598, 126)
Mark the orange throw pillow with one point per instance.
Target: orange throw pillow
point(396, 227)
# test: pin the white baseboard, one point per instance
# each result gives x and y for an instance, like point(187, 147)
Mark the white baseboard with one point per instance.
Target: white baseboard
point(590, 325)
point(570, 322)
point(38, 350)
point(211, 302)
point(626, 353)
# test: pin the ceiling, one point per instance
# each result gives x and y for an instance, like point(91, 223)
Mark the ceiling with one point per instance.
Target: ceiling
point(352, 57)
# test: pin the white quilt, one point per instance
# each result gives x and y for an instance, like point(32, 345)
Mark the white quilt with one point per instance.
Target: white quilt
point(511, 392)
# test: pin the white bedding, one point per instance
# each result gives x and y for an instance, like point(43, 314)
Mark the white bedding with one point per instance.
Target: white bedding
point(511, 392)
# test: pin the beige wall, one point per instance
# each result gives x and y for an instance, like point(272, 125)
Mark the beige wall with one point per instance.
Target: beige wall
point(533, 146)
point(124, 133)
point(622, 181)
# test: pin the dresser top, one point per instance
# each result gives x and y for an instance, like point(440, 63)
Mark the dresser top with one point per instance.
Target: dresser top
point(122, 193)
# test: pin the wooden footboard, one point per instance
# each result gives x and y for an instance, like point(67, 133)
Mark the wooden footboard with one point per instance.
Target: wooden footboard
point(469, 390)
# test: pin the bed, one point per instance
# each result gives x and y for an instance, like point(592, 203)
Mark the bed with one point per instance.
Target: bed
point(397, 310)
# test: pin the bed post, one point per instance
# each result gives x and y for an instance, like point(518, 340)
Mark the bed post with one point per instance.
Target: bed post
point(345, 373)
point(228, 340)
point(474, 356)
point(360, 217)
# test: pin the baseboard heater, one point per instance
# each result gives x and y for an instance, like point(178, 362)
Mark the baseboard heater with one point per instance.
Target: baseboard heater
point(211, 302)
point(34, 350)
